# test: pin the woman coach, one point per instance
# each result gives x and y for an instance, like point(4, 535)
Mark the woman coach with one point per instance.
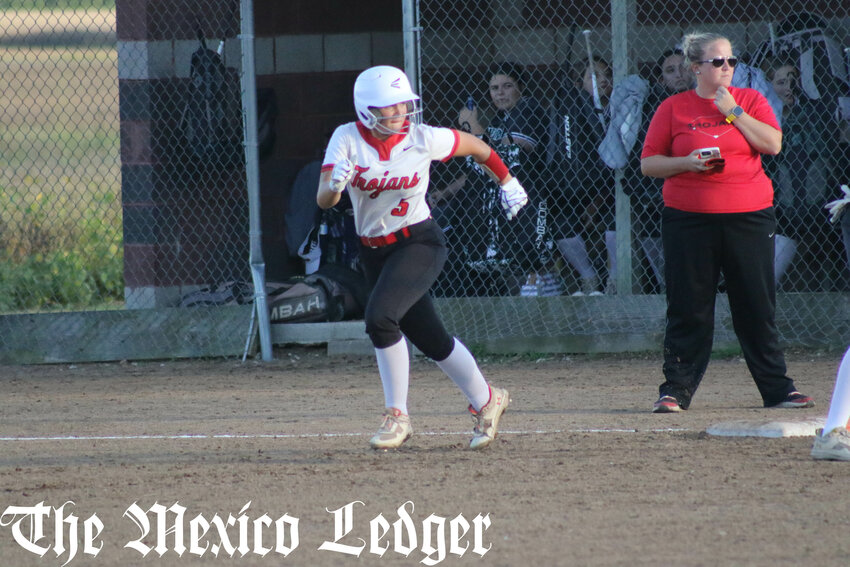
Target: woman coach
point(718, 217)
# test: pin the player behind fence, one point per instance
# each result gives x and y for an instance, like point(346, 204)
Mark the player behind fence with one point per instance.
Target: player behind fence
point(802, 175)
point(487, 246)
point(583, 213)
point(383, 161)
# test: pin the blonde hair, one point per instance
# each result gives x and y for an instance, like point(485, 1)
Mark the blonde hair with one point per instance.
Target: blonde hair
point(694, 44)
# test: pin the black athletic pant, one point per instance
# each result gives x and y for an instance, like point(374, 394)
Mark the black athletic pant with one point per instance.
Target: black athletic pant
point(401, 274)
point(697, 247)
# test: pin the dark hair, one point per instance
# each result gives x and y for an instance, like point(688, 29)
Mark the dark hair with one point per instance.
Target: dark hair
point(509, 69)
point(582, 66)
point(659, 65)
point(771, 63)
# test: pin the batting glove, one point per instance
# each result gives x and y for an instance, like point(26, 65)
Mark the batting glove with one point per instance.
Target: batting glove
point(342, 173)
point(514, 197)
point(836, 208)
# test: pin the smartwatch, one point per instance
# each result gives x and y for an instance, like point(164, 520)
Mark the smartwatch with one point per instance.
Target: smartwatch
point(734, 113)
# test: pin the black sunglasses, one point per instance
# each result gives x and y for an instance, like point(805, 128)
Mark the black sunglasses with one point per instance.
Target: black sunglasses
point(718, 61)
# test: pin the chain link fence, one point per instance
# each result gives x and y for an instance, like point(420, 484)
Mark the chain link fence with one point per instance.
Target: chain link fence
point(123, 179)
point(564, 92)
point(60, 218)
point(183, 177)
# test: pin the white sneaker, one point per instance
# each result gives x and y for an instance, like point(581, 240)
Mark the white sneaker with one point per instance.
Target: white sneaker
point(487, 419)
point(589, 286)
point(394, 430)
point(834, 446)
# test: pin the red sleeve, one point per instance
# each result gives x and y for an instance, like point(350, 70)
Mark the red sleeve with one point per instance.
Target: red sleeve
point(659, 137)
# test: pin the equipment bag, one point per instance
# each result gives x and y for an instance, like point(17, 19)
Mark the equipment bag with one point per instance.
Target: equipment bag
point(211, 119)
point(298, 300)
point(237, 292)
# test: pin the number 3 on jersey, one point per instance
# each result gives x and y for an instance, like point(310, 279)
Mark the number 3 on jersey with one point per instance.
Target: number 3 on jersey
point(401, 209)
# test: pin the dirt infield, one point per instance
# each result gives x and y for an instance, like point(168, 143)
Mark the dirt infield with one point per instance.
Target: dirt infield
point(582, 474)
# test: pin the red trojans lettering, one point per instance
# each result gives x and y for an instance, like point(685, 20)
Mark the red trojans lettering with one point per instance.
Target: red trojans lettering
point(375, 186)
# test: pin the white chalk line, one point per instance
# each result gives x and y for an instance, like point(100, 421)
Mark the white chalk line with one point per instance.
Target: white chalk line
point(202, 436)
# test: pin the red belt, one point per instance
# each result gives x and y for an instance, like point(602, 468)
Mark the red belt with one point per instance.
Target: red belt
point(391, 238)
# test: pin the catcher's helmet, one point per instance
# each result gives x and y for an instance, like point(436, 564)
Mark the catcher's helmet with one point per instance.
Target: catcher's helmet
point(381, 86)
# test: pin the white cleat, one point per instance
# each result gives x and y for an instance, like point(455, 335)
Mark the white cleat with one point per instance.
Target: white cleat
point(487, 419)
point(832, 446)
point(394, 430)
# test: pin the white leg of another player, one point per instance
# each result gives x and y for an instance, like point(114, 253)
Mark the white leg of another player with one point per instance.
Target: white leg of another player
point(611, 247)
point(839, 407)
point(655, 255)
point(461, 367)
point(786, 249)
point(394, 368)
point(574, 251)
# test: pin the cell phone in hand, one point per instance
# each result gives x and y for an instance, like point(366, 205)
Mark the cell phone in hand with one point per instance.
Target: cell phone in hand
point(709, 153)
point(712, 157)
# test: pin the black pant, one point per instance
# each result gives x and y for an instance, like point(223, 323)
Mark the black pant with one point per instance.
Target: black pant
point(401, 275)
point(697, 247)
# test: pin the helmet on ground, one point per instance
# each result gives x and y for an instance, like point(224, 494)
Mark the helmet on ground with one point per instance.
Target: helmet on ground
point(381, 86)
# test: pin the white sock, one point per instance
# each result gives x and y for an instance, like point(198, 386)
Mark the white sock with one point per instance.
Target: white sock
point(461, 367)
point(839, 407)
point(786, 248)
point(394, 368)
point(575, 252)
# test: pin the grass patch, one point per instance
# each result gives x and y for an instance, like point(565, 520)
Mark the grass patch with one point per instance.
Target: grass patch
point(53, 257)
point(60, 179)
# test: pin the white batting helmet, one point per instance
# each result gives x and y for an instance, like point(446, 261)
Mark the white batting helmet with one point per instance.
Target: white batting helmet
point(381, 86)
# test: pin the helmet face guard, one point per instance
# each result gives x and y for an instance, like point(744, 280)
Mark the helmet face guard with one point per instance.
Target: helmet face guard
point(413, 115)
point(382, 86)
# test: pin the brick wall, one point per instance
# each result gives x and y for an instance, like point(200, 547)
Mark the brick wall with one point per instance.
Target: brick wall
point(186, 225)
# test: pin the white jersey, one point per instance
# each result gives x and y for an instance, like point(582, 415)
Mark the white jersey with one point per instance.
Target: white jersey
point(390, 176)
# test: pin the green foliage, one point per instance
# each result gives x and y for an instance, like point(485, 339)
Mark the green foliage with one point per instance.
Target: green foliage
point(61, 234)
point(48, 263)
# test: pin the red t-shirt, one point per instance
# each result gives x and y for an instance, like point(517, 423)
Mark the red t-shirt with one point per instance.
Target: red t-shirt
point(685, 122)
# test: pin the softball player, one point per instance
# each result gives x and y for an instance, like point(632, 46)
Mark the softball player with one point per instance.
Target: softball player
point(833, 441)
point(383, 160)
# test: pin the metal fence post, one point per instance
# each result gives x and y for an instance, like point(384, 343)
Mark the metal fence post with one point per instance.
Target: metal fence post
point(411, 29)
point(620, 10)
point(249, 112)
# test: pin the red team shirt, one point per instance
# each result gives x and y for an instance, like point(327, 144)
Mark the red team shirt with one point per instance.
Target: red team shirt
point(685, 122)
point(390, 176)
